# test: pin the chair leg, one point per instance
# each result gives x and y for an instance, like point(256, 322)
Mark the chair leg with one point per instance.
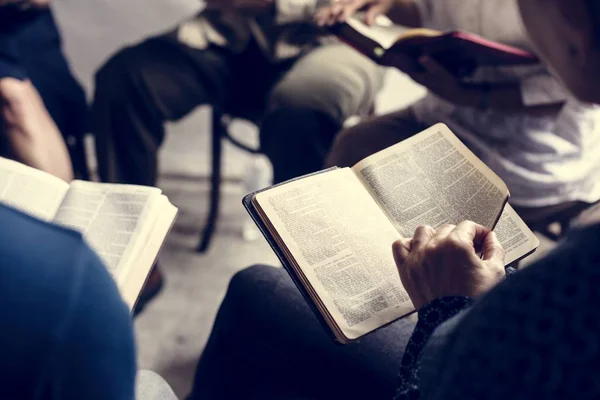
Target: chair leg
point(78, 158)
point(215, 182)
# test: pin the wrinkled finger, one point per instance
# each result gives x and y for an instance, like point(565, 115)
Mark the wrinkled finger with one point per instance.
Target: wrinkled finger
point(493, 250)
point(401, 250)
point(471, 232)
point(423, 234)
point(444, 231)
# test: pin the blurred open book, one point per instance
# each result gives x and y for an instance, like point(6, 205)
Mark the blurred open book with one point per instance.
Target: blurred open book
point(333, 231)
point(459, 52)
point(125, 224)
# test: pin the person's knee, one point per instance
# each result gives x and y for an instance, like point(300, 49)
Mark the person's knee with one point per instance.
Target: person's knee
point(338, 102)
point(339, 89)
point(250, 285)
point(249, 278)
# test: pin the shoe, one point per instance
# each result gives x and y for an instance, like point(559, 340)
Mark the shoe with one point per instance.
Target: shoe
point(153, 286)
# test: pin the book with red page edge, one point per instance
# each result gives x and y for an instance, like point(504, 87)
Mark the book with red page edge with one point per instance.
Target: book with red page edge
point(461, 53)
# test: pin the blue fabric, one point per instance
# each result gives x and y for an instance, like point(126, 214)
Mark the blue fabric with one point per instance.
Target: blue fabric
point(31, 49)
point(66, 334)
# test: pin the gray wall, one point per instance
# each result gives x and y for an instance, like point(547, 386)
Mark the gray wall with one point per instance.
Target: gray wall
point(93, 29)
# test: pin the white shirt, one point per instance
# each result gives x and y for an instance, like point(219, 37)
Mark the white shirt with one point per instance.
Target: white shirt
point(543, 160)
point(281, 35)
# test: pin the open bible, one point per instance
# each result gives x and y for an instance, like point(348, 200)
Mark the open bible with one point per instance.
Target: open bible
point(333, 230)
point(461, 53)
point(126, 225)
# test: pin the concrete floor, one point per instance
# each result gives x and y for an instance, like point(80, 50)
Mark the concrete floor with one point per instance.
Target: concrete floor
point(172, 331)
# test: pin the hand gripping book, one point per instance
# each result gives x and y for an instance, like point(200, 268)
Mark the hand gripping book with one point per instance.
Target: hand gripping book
point(461, 53)
point(333, 230)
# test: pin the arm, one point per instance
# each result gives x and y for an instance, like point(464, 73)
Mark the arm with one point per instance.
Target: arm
point(402, 12)
point(97, 354)
point(505, 97)
point(442, 273)
point(519, 97)
point(33, 136)
point(431, 316)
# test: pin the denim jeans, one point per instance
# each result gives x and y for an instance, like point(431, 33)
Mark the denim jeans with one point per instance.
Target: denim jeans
point(267, 344)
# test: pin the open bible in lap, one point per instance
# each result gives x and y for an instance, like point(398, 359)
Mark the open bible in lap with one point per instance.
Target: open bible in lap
point(126, 225)
point(333, 231)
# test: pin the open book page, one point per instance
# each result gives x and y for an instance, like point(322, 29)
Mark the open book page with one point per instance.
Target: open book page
point(133, 280)
point(432, 179)
point(341, 241)
point(516, 238)
point(383, 31)
point(30, 190)
point(110, 217)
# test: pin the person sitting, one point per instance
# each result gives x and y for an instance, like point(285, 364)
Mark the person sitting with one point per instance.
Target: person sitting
point(39, 97)
point(535, 335)
point(258, 57)
point(67, 334)
point(519, 120)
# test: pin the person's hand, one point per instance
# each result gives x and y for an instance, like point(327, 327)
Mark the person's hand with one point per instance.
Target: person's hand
point(443, 263)
point(441, 82)
point(341, 10)
point(241, 5)
point(31, 133)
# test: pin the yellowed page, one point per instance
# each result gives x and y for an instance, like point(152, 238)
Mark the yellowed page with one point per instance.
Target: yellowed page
point(516, 237)
point(341, 241)
point(433, 179)
point(132, 283)
point(112, 219)
point(30, 190)
point(383, 31)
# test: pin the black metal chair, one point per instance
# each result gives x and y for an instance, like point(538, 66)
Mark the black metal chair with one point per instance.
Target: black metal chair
point(77, 151)
point(220, 125)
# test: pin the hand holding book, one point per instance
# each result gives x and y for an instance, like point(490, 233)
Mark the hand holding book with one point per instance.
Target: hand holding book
point(340, 10)
point(333, 230)
point(442, 82)
point(434, 264)
point(461, 53)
